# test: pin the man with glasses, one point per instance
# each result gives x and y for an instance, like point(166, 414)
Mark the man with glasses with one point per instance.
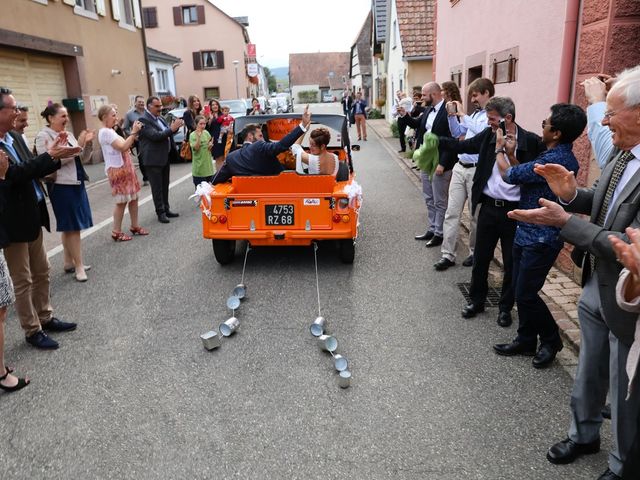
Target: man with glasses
point(22, 219)
point(606, 331)
point(158, 148)
point(536, 247)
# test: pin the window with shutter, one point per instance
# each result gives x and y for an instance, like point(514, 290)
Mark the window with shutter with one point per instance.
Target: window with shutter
point(212, 59)
point(150, 17)
point(189, 15)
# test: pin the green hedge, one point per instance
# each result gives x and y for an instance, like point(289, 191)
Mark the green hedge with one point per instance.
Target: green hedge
point(394, 129)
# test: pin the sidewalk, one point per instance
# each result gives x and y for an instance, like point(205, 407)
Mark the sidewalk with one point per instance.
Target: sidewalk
point(560, 292)
point(101, 200)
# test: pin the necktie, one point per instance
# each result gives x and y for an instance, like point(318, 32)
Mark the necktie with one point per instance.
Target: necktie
point(16, 158)
point(618, 169)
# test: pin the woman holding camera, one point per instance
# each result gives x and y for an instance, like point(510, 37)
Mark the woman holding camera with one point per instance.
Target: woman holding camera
point(120, 171)
point(66, 188)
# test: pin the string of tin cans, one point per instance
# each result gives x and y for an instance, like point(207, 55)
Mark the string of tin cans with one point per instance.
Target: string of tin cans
point(328, 343)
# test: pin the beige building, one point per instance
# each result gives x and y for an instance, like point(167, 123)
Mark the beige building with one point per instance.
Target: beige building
point(71, 50)
point(211, 44)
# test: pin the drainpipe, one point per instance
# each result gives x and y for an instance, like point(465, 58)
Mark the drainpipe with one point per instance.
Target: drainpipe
point(144, 48)
point(569, 42)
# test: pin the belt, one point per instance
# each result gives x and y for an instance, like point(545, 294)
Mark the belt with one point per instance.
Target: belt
point(467, 165)
point(487, 200)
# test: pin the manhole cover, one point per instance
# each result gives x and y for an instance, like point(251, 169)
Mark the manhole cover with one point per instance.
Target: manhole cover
point(493, 295)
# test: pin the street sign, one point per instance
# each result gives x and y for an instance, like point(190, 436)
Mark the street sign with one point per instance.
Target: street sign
point(252, 69)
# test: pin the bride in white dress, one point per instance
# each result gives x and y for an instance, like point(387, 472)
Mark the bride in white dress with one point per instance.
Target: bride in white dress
point(318, 160)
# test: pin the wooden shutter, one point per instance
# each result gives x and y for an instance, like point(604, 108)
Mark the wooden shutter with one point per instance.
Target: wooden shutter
point(219, 59)
point(150, 17)
point(115, 10)
point(197, 61)
point(137, 17)
point(177, 15)
point(200, 10)
point(101, 8)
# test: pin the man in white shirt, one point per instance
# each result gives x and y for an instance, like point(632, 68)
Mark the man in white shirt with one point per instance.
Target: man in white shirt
point(481, 90)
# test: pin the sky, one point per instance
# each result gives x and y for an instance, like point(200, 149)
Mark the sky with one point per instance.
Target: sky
point(281, 27)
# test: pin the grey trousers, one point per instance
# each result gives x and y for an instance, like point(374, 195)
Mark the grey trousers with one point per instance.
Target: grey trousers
point(459, 193)
point(436, 196)
point(601, 367)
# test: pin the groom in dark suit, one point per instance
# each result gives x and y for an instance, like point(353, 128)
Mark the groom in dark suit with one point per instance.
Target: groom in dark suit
point(158, 147)
point(257, 157)
point(436, 189)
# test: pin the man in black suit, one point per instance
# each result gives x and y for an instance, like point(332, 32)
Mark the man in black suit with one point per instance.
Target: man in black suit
point(22, 219)
point(435, 189)
point(496, 198)
point(158, 148)
point(257, 157)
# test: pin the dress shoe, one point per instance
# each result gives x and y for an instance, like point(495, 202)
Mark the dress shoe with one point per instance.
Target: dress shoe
point(425, 236)
point(567, 451)
point(472, 310)
point(171, 214)
point(434, 242)
point(609, 475)
point(162, 218)
point(468, 262)
point(57, 325)
point(514, 348)
point(504, 319)
point(546, 354)
point(42, 340)
point(401, 151)
point(443, 264)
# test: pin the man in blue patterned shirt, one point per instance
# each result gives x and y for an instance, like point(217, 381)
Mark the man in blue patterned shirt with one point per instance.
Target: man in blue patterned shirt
point(536, 247)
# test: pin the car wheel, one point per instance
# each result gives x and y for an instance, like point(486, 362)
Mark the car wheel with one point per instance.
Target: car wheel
point(347, 250)
point(224, 251)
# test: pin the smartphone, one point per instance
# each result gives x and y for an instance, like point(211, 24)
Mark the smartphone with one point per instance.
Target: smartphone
point(207, 110)
point(503, 126)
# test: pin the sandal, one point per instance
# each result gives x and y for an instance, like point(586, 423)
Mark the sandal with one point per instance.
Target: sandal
point(73, 269)
point(120, 236)
point(138, 231)
point(22, 382)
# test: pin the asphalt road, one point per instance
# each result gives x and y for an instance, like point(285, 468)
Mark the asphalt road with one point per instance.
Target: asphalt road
point(133, 395)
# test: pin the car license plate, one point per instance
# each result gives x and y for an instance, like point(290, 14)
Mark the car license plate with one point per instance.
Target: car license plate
point(279, 214)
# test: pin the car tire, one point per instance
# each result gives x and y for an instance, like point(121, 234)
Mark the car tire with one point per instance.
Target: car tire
point(347, 250)
point(224, 251)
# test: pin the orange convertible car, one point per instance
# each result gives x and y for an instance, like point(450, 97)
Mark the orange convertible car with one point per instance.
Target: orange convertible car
point(287, 209)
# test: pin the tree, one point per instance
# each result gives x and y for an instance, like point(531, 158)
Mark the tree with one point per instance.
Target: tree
point(271, 80)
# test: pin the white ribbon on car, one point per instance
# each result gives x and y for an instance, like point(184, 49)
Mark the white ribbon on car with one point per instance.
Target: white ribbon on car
point(203, 195)
point(354, 193)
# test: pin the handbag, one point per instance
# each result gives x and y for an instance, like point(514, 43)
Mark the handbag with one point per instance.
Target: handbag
point(185, 150)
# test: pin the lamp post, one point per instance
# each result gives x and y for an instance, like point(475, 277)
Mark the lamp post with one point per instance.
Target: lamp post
point(235, 64)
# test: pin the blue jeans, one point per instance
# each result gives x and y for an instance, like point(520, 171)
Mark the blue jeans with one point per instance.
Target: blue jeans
point(531, 264)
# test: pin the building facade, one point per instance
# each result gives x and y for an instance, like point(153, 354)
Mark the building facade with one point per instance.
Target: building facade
point(54, 51)
point(211, 44)
point(325, 73)
point(162, 70)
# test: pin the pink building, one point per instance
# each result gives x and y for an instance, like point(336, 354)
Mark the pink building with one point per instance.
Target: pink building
point(211, 44)
point(518, 44)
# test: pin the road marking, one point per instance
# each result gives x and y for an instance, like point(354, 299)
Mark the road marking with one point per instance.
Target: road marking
point(55, 250)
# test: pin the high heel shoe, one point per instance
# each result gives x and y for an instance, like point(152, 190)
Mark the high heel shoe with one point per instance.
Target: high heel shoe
point(120, 236)
point(22, 382)
point(72, 269)
point(139, 231)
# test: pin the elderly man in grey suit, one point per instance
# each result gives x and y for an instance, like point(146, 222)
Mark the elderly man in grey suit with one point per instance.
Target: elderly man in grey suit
point(607, 332)
point(158, 147)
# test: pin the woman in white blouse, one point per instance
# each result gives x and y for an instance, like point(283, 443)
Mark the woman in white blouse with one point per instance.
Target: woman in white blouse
point(122, 175)
point(319, 160)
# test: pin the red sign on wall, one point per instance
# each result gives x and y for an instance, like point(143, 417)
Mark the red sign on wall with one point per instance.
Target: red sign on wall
point(251, 49)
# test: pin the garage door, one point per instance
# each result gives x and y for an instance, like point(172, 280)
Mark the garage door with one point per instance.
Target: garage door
point(35, 79)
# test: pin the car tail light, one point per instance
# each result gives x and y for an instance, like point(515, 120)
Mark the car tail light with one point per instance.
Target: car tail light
point(345, 218)
point(214, 219)
point(222, 218)
point(337, 218)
